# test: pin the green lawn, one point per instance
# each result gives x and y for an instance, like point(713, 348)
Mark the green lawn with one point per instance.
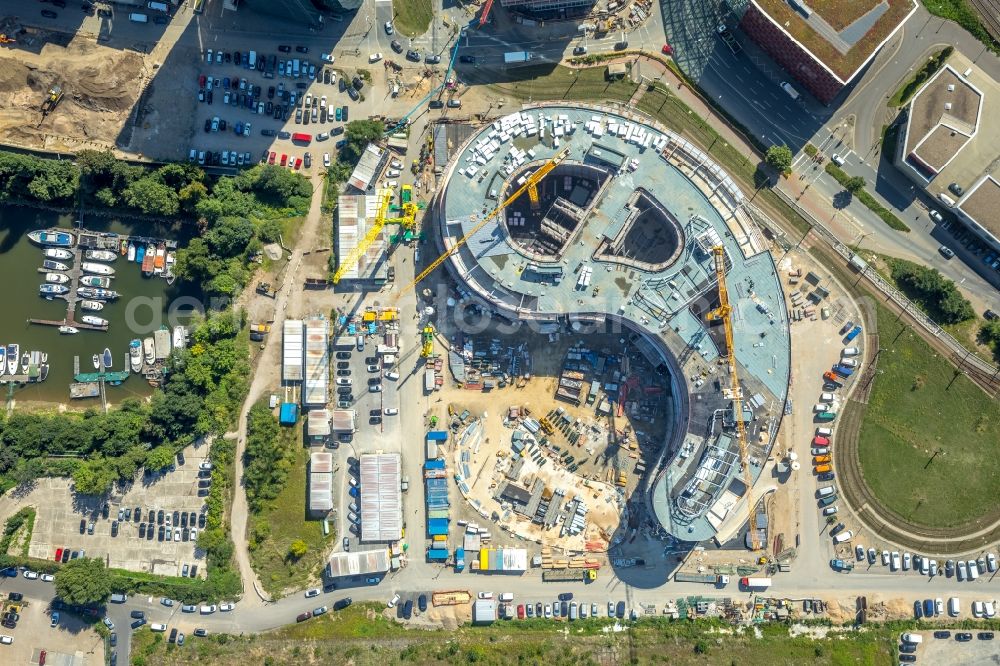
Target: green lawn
point(411, 17)
point(544, 82)
point(348, 637)
point(273, 531)
point(916, 410)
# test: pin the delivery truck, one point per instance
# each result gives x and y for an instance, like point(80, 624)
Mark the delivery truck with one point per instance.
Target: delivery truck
point(569, 575)
point(709, 579)
point(516, 57)
point(755, 583)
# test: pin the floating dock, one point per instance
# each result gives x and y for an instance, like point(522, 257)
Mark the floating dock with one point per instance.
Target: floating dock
point(84, 390)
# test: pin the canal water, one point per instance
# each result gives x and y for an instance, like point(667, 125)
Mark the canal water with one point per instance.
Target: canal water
point(145, 304)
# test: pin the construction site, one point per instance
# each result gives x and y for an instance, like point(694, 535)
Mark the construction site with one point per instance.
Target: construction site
point(662, 320)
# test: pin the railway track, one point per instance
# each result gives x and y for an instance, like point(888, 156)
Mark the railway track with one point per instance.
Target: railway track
point(989, 14)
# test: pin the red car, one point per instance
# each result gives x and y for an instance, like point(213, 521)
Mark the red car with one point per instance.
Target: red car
point(270, 158)
point(284, 159)
point(201, 81)
point(667, 49)
point(820, 441)
point(298, 162)
point(520, 611)
point(58, 556)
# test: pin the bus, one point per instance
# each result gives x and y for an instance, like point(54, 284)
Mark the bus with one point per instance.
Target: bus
point(304, 138)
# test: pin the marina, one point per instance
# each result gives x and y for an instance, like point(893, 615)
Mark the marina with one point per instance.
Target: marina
point(87, 281)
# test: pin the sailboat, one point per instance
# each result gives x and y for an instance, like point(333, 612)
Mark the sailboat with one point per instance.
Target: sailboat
point(12, 352)
point(131, 252)
point(107, 357)
point(135, 355)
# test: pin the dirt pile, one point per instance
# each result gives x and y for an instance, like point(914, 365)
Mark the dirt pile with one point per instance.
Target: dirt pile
point(100, 87)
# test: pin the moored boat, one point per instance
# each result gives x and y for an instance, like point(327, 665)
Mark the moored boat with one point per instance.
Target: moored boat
point(55, 237)
point(140, 253)
point(50, 265)
point(97, 361)
point(92, 306)
point(53, 289)
point(95, 281)
point(94, 321)
point(3, 359)
point(106, 357)
point(97, 294)
point(57, 278)
point(57, 253)
point(25, 362)
point(97, 269)
point(147, 261)
point(69, 330)
point(135, 355)
point(12, 352)
point(131, 252)
point(100, 255)
point(180, 337)
point(160, 260)
point(123, 247)
point(148, 351)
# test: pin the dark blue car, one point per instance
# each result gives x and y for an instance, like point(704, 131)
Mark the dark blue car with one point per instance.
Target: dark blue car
point(929, 607)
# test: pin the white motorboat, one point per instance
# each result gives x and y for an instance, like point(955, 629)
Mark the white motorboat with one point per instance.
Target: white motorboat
point(96, 269)
point(94, 321)
point(69, 330)
point(50, 265)
point(57, 278)
point(135, 355)
point(58, 253)
point(100, 255)
point(180, 337)
point(92, 306)
point(147, 348)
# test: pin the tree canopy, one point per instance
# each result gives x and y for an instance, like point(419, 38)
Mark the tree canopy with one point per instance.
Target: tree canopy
point(779, 157)
point(84, 581)
point(933, 292)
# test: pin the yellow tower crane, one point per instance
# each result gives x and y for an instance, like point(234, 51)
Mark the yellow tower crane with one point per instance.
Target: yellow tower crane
point(348, 262)
point(724, 312)
point(530, 184)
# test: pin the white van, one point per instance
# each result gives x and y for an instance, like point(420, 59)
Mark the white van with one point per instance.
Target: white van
point(850, 351)
point(849, 362)
point(792, 92)
point(973, 570)
point(915, 639)
point(138, 18)
point(159, 7)
point(824, 432)
point(506, 597)
point(295, 68)
point(392, 375)
point(946, 200)
point(156, 626)
point(954, 607)
point(825, 491)
point(843, 536)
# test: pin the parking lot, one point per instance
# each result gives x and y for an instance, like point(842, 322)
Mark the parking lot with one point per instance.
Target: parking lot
point(67, 641)
point(70, 523)
point(257, 110)
point(973, 648)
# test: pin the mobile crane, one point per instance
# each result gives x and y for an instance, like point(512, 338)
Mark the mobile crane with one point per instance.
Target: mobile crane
point(724, 312)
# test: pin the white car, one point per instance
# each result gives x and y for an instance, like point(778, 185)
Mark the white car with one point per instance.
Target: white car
point(859, 552)
point(485, 595)
point(991, 562)
point(209, 609)
point(6, 640)
point(374, 57)
point(989, 609)
point(895, 560)
point(177, 535)
point(326, 57)
point(391, 411)
point(392, 602)
point(885, 558)
point(849, 362)
point(978, 609)
point(314, 592)
point(396, 164)
point(821, 407)
point(838, 159)
point(938, 606)
point(826, 397)
point(850, 351)
point(388, 28)
point(392, 375)
point(31, 575)
point(226, 606)
point(906, 561)
point(322, 100)
point(48, 578)
point(326, 159)
point(392, 173)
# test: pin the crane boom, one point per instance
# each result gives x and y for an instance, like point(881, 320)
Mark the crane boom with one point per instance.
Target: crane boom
point(531, 182)
point(385, 198)
point(724, 312)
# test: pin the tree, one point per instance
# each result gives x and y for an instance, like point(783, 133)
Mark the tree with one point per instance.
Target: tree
point(160, 457)
point(854, 184)
point(94, 477)
point(779, 158)
point(84, 581)
point(152, 197)
point(358, 134)
point(230, 236)
point(191, 195)
point(298, 549)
